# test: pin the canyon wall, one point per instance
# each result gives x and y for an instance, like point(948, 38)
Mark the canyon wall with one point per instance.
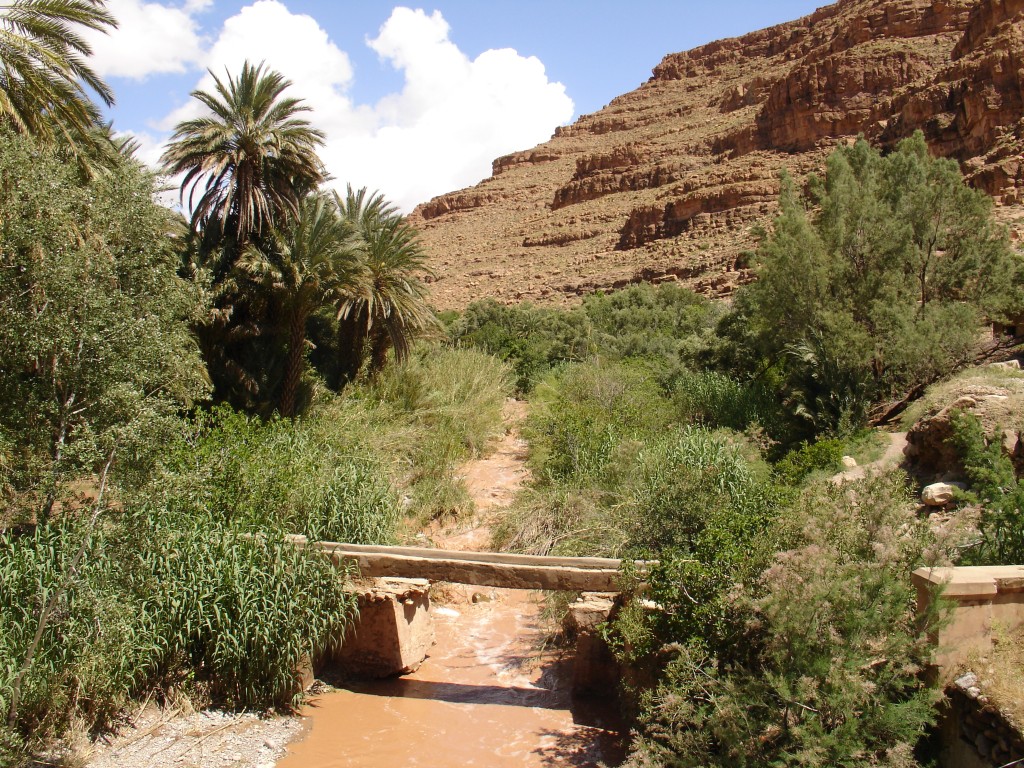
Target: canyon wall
point(673, 180)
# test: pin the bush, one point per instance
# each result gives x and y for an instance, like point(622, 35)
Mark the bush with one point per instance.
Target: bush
point(807, 458)
point(827, 670)
point(584, 414)
point(532, 340)
point(996, 487)
point(301, 476)
point(158, 595)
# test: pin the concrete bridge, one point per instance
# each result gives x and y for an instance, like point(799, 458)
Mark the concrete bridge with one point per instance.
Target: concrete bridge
point(487, 569)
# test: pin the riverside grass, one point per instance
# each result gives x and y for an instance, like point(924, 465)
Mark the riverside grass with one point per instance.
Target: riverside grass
point(187, 580)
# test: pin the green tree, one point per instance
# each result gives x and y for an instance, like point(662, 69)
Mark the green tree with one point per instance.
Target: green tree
point(44, 78)
point(315, 261)
point(250, 160)
point(392, 309)
point(246, 166)
point(878, 291)
point(96, 357)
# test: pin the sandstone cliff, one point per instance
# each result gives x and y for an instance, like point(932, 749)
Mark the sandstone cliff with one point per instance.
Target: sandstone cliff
point(670, 181)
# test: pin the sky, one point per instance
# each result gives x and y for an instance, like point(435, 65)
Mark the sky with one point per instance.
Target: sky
point(415, 100)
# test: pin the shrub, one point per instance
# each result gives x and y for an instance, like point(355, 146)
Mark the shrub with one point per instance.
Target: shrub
point(584, 414)
point(800, 462)
point(827, 670)
point(995, 485)
point(302, 476)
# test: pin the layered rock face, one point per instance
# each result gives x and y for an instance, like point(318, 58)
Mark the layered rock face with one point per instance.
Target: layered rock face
point(672, 180)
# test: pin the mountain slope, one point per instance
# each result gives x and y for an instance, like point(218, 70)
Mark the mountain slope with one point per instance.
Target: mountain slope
point(672, 180)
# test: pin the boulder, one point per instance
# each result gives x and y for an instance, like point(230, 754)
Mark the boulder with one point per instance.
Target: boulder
point(939, 494)
point(848, 462)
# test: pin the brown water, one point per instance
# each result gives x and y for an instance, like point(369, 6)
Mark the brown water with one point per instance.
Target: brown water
point(488, 695)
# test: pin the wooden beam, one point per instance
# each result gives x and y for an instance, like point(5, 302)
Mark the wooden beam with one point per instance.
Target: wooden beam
point(487, 569)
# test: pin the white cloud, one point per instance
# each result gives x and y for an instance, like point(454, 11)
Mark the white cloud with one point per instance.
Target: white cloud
point(151, 38)
point(439, 133)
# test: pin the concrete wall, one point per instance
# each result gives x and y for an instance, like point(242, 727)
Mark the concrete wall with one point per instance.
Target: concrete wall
point(986, 601)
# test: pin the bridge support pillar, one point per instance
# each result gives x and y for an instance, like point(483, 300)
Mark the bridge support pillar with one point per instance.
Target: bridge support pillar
point(393, 632)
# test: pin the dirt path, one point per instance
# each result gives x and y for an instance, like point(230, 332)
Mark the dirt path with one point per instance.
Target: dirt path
point(892, 457)
point(492, 481)
point(490, 693)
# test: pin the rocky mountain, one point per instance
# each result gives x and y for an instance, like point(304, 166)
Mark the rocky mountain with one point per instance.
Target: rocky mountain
point(672, 181)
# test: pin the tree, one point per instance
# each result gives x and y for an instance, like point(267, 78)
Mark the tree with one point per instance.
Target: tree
point(43, 73)
point(246, 166)
point(392, 310)
point(96, 357)
point(250, 160)
point(315, 260)
point(881, 289)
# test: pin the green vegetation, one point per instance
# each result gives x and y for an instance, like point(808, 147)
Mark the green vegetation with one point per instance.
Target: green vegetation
point(178, 396)
point(877, 293)
point(785, 632)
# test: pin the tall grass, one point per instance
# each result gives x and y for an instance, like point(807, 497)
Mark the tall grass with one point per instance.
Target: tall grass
point(447, 404)
point(158, 595)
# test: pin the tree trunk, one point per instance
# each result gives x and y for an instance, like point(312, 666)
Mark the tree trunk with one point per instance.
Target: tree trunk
point(351, 344)
point(295, 364)
point(380, 343)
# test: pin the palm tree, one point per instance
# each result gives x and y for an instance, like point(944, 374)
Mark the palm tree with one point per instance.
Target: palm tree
point(44, 76)
point(315, 261)
point(392, 309)
point(250, 160)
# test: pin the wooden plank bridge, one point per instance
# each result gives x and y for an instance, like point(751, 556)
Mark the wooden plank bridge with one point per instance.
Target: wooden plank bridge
point(487, 569)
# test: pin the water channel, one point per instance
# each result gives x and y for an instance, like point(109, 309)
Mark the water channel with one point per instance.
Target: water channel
point(488, 694)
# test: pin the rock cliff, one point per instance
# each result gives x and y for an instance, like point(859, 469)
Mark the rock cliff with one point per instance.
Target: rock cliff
point(671, 181)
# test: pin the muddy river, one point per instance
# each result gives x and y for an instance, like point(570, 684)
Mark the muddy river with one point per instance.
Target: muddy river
point(488, 694)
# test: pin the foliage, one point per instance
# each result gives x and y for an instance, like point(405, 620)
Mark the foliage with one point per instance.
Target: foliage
point(806, 458)
point(388, 308)
point(713, 399)
point(827, 670)
point(159, 596)
point(314, 261)
point(666, 324)
point(95, 354)
point(305, 477)
point(995, 485)
point(881, 291)
point(533, 340)
point(451, 401)
point(704, 510)
point(44, 75)
point(582, 415)
point(251, 158)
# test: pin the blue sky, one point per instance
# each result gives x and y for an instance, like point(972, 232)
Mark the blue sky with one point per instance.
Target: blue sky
point(418, 99)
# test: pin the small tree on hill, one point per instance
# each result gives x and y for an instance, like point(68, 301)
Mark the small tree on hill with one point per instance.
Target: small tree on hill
point(882, 288)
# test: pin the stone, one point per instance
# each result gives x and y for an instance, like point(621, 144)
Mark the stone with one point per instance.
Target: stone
point(848, 462)
point(393, 632)
point(939, 494)
point(1012, 365)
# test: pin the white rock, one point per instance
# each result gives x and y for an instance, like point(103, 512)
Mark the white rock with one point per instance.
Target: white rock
point(1009, 364)
point(848, 462)
point(939, 494)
